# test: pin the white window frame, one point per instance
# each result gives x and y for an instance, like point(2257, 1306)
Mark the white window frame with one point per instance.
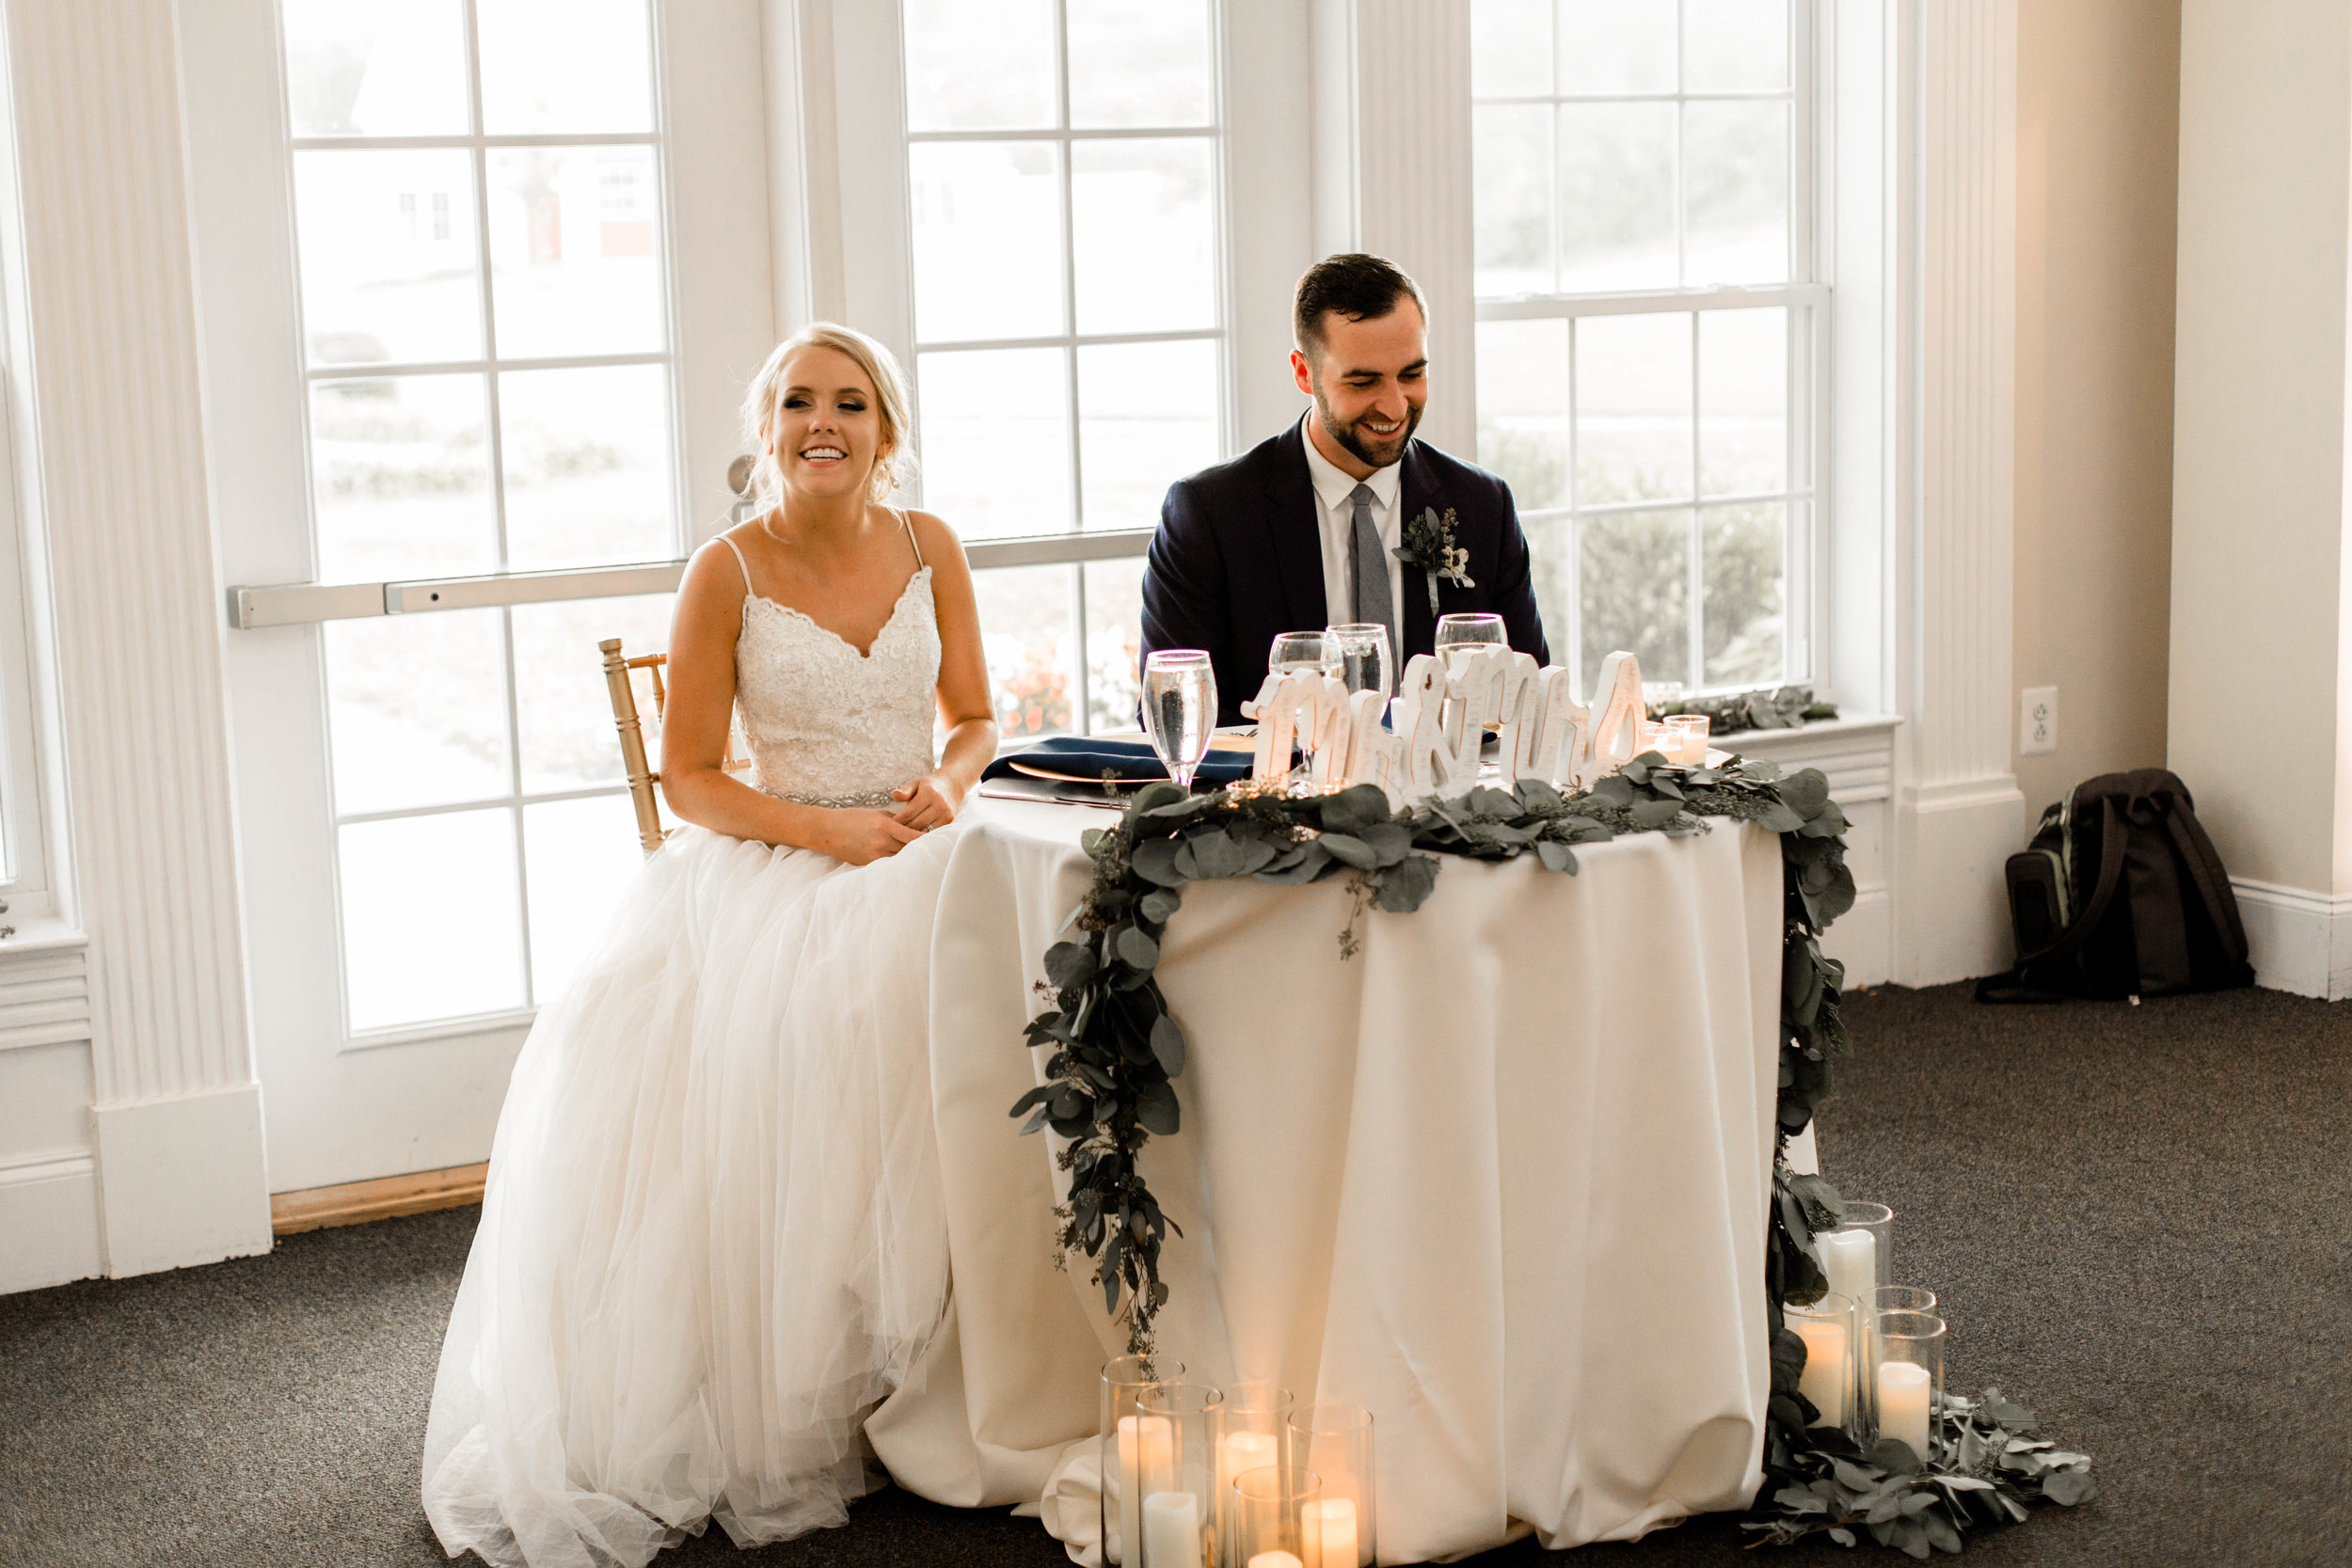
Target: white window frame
point(850, 258)
point(28, 885)
point(1808, 299)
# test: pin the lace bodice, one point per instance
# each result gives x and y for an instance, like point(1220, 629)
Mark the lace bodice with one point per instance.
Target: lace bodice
point(826, 725)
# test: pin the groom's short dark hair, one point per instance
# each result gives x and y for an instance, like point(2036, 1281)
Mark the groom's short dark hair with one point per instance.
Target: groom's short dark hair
point(1359, 287)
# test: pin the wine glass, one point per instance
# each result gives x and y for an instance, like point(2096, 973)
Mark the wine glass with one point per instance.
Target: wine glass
point(1178, 708)
point(1302, 653)
point(1462, 635)
point(1363, 650)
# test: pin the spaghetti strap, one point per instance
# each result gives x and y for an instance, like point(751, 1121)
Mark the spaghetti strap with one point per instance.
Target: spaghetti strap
point(908, 523)
point(740, 563)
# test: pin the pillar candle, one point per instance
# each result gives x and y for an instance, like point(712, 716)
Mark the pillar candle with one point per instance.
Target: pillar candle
point(1146, 1445)
point(1275, 1559)
point(1903, 1403)
point(1330, 1523)
point(1249, 1450)
point(1824, 1378)
point(1851, 1260)
point(1172, 1530)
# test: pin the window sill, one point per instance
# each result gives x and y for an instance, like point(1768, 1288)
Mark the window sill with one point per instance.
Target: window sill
point(1857, 753)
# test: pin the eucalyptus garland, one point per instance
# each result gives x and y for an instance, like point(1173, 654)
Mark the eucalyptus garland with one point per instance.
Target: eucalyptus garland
point(1117, 1051)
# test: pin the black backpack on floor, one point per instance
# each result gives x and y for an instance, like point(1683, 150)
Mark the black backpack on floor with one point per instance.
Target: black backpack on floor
point(2120, 895)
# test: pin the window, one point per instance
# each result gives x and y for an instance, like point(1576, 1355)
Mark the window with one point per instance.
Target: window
point(1069, 330)
point(489, 379)
point(1648, 323)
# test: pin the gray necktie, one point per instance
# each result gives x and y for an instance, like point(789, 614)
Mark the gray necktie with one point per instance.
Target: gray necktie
point(1368, 570)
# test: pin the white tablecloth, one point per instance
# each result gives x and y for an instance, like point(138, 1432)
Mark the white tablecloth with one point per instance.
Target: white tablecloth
point(1500, 1177)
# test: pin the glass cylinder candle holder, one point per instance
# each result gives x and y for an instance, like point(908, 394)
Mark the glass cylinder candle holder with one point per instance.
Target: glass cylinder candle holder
point(1177, 1518)
point(1262, 1508)
point(1910, 1380)
point(1256, 1435)
point(1335, 1442)
point(1902, 1298)
point(1686, 739)
point(1832, 1331)
point(1130, 1441)
point(1855, 1257)
point(1649, 736)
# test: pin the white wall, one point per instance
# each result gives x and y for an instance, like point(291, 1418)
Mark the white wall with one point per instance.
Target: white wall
point(2256, 693)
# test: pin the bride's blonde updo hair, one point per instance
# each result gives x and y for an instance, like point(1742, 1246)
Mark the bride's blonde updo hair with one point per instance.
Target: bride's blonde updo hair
point(894, 465)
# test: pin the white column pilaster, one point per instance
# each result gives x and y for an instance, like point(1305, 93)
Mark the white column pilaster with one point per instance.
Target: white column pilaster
point(103, 356)
point(1393, 169)
point(1959, 810)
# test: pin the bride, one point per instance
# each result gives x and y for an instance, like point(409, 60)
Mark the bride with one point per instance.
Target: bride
point(713, 1238)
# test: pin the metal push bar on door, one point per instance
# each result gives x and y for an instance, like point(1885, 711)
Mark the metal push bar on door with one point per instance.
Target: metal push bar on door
point(303, 603)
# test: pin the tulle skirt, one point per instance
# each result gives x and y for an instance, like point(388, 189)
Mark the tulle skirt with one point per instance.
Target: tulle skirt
point(713, 1235)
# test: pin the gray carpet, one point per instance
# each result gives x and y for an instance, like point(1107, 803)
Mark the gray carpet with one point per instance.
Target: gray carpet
point(2137, 1218)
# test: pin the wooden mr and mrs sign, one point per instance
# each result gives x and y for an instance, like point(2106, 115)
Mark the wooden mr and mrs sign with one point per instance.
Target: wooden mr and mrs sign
point(1441, 718)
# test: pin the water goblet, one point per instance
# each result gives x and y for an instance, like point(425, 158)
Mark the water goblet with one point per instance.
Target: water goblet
point(1363, 650)
point(1461, 635)
point(1303, 653)
point(1179, 708)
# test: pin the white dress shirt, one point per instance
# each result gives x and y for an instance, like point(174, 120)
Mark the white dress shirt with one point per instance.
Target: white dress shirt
point(1335, 515)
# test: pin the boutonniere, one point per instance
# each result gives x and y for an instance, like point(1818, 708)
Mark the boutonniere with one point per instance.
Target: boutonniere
point(1429, 544)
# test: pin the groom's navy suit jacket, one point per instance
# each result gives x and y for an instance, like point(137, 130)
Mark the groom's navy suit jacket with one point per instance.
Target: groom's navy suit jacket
point(1238, 561)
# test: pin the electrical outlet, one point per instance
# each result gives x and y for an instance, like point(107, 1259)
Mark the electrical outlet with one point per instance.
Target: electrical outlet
point(2037, 720)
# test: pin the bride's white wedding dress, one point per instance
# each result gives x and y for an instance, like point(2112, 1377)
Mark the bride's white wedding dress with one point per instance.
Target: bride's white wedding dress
point(713, 1237)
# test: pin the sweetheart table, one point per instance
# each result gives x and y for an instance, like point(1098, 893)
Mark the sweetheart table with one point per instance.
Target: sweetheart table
point(1500, 1177)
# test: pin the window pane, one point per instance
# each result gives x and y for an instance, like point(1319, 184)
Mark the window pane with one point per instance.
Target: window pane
point(400, 472)
point(1616, 196)
point(580, 857)
point(1744, 401)
point(980, 68)
point(1147, 416)
point(988, 256)
point(1523, 409)
point(1143, 234)
point(386, 243)
point(1139, 62)
point(561, 707)
point(1633, 408)
point(415, 709)
point(1511, 196)
point(587, 460)
point(1634, 568)
point(564, 66)
point(432, 925)
point(1745, 603)
point(1735, 159)
point(1510, 48)
point(1025, 626)
point(375, 68)
point(1735, 45)
point(1552, 572)
point(1608, 46)
point(573, 248)
point(995, 430)
point(1114, 642)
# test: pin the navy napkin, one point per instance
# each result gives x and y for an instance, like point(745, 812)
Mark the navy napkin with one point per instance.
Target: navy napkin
point(1128, 761)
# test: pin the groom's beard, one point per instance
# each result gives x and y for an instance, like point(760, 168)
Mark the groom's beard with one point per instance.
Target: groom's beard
point(1370, 451)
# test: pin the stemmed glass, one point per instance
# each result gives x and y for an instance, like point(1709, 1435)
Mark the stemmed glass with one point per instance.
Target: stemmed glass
point(1363, 652)
point(1459, 635)
point(1308, 653)
point(1179, 708)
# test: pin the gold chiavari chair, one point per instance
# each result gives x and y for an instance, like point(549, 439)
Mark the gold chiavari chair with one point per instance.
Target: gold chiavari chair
point(642, 781)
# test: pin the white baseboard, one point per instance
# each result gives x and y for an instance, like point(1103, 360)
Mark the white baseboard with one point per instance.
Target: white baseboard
point(49, 1223)
point(2297, 940)
point(1953, 923)
point(182, 1181)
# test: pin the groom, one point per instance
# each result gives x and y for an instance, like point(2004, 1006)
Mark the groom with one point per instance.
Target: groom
point(1301, 531)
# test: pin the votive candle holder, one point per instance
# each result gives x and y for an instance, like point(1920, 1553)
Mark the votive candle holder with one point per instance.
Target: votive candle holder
point(1335, 1442)
point(1686, 737)
point(1910, 1378)
point(1832, 1331)
point(1256, 1435)
point(1262, 1507)
point(1179, 1479)
point(1130, 1442)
